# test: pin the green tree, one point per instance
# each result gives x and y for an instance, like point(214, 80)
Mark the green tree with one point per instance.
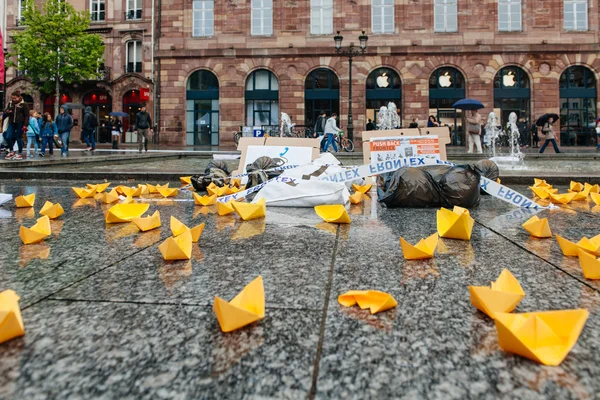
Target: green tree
point(55, 47)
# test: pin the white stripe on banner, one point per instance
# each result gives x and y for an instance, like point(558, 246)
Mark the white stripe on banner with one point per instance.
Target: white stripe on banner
point(244, 193)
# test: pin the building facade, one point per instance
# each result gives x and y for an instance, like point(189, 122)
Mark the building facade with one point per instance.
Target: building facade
point(226, 64)
point(123, 80)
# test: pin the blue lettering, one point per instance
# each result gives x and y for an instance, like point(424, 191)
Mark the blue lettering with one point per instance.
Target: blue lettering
point(372, 169)
point(389, 165)
point(527, 203)
point(484, 184)
point(519, 197)
point(348, 175)
point(397, 163)
point(380, 167)
point(509, 194)
point(413, 162)
point(355, 172)
point(333, 178)
point(501, 191)
point(421, 161)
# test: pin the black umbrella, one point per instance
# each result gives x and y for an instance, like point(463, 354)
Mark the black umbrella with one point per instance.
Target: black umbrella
point(468, 104)
point(74, 106)
point(544, 119)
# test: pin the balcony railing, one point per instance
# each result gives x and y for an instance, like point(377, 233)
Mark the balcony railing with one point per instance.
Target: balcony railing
point(133, 67)
point(98, 16)
point(133, 15)
point(21, 73)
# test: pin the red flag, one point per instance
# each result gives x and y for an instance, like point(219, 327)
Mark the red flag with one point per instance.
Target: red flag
point(1, 60)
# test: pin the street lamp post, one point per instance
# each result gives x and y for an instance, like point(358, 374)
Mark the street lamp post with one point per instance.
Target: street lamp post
point(351, 52)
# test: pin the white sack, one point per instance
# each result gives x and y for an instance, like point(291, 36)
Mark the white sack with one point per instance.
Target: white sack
point(305, 194)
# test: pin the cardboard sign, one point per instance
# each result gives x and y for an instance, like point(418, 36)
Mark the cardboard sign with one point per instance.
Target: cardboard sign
point(392, 148)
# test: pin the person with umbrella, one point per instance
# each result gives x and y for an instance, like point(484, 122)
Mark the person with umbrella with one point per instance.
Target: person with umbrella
point(545, 123)
point(473, 122)
point(116, 128)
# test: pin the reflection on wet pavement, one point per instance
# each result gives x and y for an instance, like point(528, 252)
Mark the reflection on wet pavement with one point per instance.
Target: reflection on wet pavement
point(106, 316)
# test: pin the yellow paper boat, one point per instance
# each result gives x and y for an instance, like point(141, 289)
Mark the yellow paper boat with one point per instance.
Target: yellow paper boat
point(130, 191)
point(125, 212)
point(537, 227)
point(128, 200)
point(589, 265)
point(362, 189)
point(100, 187)
point(205, 200)
point(11, 323)
point(595, 198)
point(167, 192)
point(571, 249)
point(576, 187)
point(235, 182)
point(540, 183)
point(151, 188)
point(177, 248)
point(503, 296)
point(37, 232)
point(84, 193)
point(374, 300)
point(456, 224)
point(225, 208)
point(245, 308)
point(148, 223)
point(212, 185)
point(186, 180)
point(144, 188)
point(334, 213)
point(545, 337)
point(540, 192)
point(579, 196)
point(224, 191)
point(234, 190)
point(178, 228)
point(564, 198)
point(212, 191)
point(52, 210)
point(422, 250)
point(110, 197)
point(25, 201)
point(357, 198)
point(587, 188)
point(248, 211)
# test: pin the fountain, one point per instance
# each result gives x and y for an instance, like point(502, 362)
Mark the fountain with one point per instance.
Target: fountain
point(492, 133)
point(387, 117)
point(515, 155)
point(286, 125)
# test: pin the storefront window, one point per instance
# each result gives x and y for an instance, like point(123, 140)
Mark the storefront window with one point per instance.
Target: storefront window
point(321, 93)
point(446, 87)
point(578, 111)
point(512, 94)
point(262, 100)
point(202, 109)
point(101, 104)
point(383, 86)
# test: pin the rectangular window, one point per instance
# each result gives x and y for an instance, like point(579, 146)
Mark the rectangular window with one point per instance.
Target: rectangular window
point(204, 18)
point(445, 16)
point(382, 16)
point(576, 15)
point(262, 17)
point(134, 9)
point(134, 56)
point(321, 17)
point(97, 10)
point(509, 15)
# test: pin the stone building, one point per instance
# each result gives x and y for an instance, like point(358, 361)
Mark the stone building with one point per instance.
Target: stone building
point(123, 81)
point(231, 63)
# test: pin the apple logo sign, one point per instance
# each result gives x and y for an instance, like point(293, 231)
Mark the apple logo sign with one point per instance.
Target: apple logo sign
point(508, 79)
point(383, 80)
point(445, 80)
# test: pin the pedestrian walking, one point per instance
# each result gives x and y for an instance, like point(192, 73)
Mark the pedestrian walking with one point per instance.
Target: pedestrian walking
point(432, 122)
point(474, 131)
point(320, 127)
point(64, 124)
point(33, 131)
point(535, 138)
point(90, 123)
point(143, 126)
point(523, 134)
point(414, 124)
point(17, 112)
point(116, 128)
point(331, 131)
point(49, 131)
point(548, 130)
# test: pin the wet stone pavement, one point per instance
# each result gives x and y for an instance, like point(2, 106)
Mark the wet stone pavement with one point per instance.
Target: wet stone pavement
point(107, 318)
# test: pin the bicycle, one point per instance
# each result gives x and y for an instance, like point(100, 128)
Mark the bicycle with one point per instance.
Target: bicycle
point(344, 143)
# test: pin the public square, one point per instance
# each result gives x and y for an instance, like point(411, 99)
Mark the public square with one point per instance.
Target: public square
point(106, 317)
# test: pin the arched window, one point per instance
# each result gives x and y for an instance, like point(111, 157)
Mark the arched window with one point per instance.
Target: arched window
point(202, 109)
point(446, 87)
point(134, 56)
point(101, 103)
point(321, 93)
point(512, 94)
point(578, 107)
point(262, 99)
point(383, 86)
point(131, 105)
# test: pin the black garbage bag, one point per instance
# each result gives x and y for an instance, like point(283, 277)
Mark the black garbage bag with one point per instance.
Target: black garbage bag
point(487, 169)
point(216, 172)
point(430, 186)
point(257, 173)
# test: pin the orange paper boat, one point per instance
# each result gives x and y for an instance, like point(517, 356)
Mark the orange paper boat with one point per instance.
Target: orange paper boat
point(540, 192)
point(225, 208)
point(25, 201)
point(167, 192)
point(99, 187)
point(362, 189)
point(245, 308)
point(575, 186)
point(52, 210)
point(589, 265)
point(564, 198)
point(249, 211)
point(374, 300)
point(37, 232)
point(595, 198)
point(587, 188)
point(177, 248)
point(186, 180)
point(455, 224)
point(546, 337)
point(425, 248)
point(148, 223)
point(178, 228)
point(503, 296)
point(11, 323)
point(537, 227)
point(125, 212)
point(84, 193)
point(571, 249)
point(110, 197)
point(205, 200)
point(333, 213)
point(357, 198)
